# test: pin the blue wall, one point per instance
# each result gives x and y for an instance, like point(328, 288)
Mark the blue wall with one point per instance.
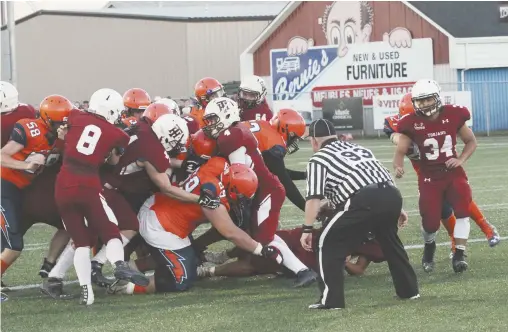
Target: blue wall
point(489, 90)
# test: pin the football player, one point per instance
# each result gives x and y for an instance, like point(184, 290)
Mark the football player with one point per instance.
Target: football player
point(166, 225)
point(434, 127)
point(12, 110)
point(91, 139)
point(171, 104)
point(236, 142)
point(136, 101)
point(252, 101)
point(31, 146)
point(205, 90)
point(448, 219)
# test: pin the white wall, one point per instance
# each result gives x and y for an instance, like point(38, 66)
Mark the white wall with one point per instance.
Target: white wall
point(489, 52)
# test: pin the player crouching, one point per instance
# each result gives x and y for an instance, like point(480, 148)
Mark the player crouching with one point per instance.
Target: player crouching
point(166, 224)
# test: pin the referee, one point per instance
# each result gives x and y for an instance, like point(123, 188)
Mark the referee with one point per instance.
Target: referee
point(364, 199)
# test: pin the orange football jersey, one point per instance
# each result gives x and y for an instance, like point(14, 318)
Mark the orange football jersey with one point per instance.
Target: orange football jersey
point(35, 134)
point(182, 218)
point(265, 134)
point(197, 114)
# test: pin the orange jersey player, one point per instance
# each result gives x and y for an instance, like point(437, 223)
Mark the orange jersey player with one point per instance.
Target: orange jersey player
point(166, 225)
point(136, 101)
point(205, 90)
point(31, 147)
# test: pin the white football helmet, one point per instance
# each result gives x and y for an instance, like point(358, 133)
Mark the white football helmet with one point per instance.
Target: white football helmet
point(107, 103)
point(8, 97)
point(171, 104)
point(172, 131)
point(220, 114)
point(252, 92)
point(426, 97)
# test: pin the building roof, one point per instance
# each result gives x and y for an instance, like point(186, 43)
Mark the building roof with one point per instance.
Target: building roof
point(155, 14)
point(199, 9)
point(465, 19)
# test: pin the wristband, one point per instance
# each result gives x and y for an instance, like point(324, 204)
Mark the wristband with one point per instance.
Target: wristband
point(307, 228)
point(258, 250)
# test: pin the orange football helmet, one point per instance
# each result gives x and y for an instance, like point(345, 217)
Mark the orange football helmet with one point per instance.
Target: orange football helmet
point(136, 99)
point(406, 105)
point(202, 145)
point(291, 126)
point(55, 109)
point(207, 89)
point(154, 111)
point(239, 181)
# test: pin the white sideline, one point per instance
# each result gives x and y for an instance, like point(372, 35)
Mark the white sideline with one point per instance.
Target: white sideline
point(408, 247)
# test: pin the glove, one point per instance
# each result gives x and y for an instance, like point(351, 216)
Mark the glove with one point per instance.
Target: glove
point(273, 253)
point(208, 196)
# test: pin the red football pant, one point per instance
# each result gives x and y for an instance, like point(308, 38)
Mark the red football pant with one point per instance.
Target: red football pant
point(86, 215)
point(433, 191)
point(127, 219)
point(266, 212)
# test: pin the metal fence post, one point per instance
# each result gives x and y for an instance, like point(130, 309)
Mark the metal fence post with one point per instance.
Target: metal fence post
point(487, 107)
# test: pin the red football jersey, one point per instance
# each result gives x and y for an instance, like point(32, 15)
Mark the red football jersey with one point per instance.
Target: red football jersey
point(239, 136)
point(192, 124)
point(436, 139)
point(23, 111)
point(260, 112)
point(144, 145)
point(88, 142)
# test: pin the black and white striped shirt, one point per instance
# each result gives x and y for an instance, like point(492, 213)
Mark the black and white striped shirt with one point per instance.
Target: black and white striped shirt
point(339, 169)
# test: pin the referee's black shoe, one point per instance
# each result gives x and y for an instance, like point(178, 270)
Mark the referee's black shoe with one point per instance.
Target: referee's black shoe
point(305, 278)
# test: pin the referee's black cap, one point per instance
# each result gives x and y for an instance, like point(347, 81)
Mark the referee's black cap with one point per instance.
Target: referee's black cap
point(321, 128)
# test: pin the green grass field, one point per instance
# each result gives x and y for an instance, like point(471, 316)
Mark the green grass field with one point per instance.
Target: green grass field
point(473, 301)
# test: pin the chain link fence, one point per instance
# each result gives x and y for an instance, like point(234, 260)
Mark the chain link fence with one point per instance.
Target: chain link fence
point(488, 103)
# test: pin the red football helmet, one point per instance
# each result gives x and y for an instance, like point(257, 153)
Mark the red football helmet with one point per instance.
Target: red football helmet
point(291, 126)
point(406, 105)
point(154, 111)
point(207, 89)
point(239, 181)
point(202, 145)
point(55, 109)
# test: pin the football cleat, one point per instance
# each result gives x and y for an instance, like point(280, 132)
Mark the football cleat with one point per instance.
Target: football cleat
point(204, 271)
point(216, 257)
point(3, 297)
point(428, 257)
point(118, 287)
point(53, 287)
point(46, 268)
point(97, 277)
point(305, 278)
point(322, 306)
point(495, 238)
point(87, 297)
point(459, 263)
point(124, 272)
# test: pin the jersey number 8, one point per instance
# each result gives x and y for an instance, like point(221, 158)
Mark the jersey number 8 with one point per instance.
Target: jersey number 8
point(89, 139)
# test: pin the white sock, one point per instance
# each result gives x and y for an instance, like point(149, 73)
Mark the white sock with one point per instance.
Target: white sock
point(114, 251)
point(83, 266)
point(289, 259)
point(428, 237)
point(462, 228)
point(101, 256)
point(129, 289)
point(64, 263)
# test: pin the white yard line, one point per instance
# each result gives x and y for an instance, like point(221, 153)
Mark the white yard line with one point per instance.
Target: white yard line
point(408, 247)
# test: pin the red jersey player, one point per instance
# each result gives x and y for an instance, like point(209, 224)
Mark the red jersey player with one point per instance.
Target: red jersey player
point(90, 140)
point(434, 128)
point(12, 111)
point(31, 146)
point(236, 142)
point(252, 101)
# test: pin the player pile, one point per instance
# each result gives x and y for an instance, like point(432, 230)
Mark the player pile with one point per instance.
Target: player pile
point(131, 175)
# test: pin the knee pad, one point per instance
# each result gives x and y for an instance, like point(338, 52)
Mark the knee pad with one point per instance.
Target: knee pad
point(462, 228)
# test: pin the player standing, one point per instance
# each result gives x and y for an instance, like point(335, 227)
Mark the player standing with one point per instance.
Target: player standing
point(434, 128)
point(91, 139)
point(252, 100)
point(11, 109)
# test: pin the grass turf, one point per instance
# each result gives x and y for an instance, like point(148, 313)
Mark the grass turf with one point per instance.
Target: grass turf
point(473, 301)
